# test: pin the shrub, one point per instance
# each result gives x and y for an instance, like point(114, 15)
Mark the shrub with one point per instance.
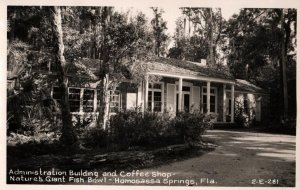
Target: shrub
point(37, 144)
point(241, 118)
point(133, 128)
point(81, 122)
point(128, 129)
point(192, 126)
point(95, 137)
point(15, 139)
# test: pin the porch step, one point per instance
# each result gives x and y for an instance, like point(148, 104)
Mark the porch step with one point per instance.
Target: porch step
point(225, 126)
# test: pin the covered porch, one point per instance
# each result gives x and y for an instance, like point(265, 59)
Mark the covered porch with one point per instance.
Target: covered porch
point(176, 93)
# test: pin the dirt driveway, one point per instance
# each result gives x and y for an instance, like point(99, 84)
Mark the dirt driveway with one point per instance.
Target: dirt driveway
point(241, 159)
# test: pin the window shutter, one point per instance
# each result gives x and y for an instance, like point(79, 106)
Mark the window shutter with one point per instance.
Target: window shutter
point(195, 104)
point(130, 101)
point(171, 94)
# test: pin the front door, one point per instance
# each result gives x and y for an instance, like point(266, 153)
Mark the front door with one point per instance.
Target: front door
point(185, 102)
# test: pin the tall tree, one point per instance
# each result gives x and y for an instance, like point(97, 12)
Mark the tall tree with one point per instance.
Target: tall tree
point(159, 28)
point(36, 43)
point(208, 23)
point(180, 41)
point(283, 66)
point(188, 47)
point(68, 136)
point(117, 40)
point(261, 50)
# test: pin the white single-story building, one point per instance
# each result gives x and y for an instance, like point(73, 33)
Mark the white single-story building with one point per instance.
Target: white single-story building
point(179, 86)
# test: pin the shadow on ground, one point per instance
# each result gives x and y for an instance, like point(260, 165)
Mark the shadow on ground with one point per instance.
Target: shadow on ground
point(242, 159)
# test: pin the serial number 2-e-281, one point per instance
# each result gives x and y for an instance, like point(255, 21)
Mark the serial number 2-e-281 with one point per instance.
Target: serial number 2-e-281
point(264, 181)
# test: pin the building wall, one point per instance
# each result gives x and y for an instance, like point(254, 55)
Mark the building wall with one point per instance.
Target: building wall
point(219, 95)
point(127, 89)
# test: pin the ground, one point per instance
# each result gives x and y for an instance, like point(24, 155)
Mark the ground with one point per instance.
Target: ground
point(241, 159)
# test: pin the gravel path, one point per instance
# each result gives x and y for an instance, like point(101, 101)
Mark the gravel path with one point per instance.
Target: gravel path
point(241, 159)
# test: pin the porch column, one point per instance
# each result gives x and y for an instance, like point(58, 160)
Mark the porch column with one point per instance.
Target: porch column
point(179, 94)
point(146, 93)
point(232, 103)
point(139, 98)
point(224, 103)
point(208, 97)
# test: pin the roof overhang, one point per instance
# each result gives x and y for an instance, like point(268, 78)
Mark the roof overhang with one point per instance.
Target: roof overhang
point(190, 77)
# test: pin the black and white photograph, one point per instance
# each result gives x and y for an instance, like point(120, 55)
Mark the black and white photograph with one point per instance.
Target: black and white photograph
point(178, 95)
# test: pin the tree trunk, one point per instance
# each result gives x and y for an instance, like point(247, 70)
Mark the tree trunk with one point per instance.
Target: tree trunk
point(283, 66)
point(104, 100)
point(211, 52)
point(68, 136)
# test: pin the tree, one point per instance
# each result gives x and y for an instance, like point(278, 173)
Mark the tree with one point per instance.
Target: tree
point(159, 27)
point(283, 65)
point(117, 41)
point(180, 41)
point(32, 48)
point(208, 24)
point(188, 47)
point(68, 136)
point(261, 49)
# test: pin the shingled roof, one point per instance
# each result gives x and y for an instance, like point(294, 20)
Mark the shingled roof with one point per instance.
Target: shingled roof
point(176, 66)
point(171, 66)
point(186, 67)
point(243, 85)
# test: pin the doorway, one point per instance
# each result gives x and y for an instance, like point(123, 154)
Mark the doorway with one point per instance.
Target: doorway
point(185, 102)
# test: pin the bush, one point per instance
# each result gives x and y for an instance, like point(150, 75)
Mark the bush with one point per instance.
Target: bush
point(95, 137)
point(81, 123)
point(26, 145)
point(192, 126)
point(240, 117)
point(133, 128)
point(15, 139)
point(128, 130)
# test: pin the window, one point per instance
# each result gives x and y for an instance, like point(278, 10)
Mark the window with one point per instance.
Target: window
point(83, 99)
point(88, 100)
point(114, 100)
point(213, 99)
point(155, 97)
point(74, 99)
